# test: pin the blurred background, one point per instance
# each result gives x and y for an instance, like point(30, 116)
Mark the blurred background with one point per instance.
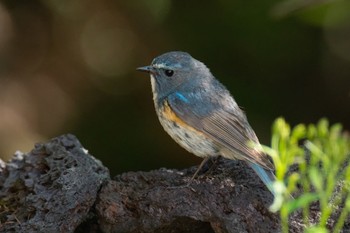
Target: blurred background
point(69, 67)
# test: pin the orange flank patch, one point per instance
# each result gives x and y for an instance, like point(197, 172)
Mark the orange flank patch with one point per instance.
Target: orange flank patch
point(170, 115)
point(188, 137)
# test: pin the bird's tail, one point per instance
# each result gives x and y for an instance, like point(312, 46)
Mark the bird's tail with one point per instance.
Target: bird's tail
point(265, 175)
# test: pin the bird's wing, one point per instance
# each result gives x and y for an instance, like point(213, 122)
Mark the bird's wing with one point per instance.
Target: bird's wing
point(226, 125)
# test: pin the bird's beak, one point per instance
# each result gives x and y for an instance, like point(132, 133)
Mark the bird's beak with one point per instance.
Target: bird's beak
point(147, 69)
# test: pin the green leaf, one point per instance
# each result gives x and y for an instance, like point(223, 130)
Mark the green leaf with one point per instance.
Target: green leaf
point(279, 188)
point(302, 201)
point(316, 178)
point(322, 128)
point(298, 133)
point(321, 167)
point(316, 229)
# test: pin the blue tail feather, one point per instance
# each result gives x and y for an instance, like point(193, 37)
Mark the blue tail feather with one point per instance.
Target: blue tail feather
point(266, 176)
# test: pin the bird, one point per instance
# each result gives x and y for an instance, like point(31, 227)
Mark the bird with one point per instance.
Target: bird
point(201, 115)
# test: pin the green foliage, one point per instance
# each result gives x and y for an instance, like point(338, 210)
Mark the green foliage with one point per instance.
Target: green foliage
point(319, 155)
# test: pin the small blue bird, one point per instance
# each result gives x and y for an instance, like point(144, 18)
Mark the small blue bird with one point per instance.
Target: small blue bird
point(200, 114)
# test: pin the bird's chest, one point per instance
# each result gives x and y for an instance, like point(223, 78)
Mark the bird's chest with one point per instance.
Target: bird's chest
point(188, 137)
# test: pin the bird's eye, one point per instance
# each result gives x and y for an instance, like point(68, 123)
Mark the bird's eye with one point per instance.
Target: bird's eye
point(169, 73)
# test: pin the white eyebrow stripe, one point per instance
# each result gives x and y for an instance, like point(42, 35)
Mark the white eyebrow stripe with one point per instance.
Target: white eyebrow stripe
point(164, 66)
point(160, 66)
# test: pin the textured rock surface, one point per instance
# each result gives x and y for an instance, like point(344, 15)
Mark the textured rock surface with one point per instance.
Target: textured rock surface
point(229, 199)
point(50, 189)
point(59, 187)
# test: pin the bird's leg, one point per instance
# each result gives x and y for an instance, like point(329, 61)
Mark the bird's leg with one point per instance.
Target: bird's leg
point(198, 169)
point(213, 165)
point(194, 175)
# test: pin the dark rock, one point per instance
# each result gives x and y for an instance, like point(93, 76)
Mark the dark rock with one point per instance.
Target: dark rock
point(230, 199)
point(50, 189)
point(59, 187)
